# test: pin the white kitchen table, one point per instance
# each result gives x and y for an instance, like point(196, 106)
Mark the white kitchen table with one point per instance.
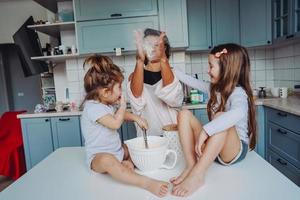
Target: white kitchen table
point(64, 176)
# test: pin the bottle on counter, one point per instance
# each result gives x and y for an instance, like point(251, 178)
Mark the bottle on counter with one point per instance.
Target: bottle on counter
point(195, 96)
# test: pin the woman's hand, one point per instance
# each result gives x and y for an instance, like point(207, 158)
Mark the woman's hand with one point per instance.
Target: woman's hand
point(200, 143)
point(138, 35)
point(143, 124)
point(161, 47)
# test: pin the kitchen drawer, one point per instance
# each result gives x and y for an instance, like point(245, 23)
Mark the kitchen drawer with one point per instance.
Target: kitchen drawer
point(108, 9)
point(284, 119)
point(103, 36)
point(284, 167)
point(284, 142)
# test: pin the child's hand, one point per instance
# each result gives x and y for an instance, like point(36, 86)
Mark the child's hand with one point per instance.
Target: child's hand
point(143, 124)
point(200, 143)
point(122, 102)
point(138, 35)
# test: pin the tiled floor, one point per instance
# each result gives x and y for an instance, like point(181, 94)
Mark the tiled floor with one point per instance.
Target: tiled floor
point(4, 182)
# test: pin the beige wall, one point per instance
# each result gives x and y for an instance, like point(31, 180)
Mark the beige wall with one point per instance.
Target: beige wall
point(13, 14)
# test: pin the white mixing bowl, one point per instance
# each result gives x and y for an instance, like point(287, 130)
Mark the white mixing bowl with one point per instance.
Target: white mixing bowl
point(155, 157)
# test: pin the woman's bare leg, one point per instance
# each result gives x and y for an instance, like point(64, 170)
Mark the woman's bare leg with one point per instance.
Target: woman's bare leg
point(107, 163)
point(188, 128)
point(226, 144)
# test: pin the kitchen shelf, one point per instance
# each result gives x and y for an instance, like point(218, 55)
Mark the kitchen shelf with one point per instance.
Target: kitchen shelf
point(56, 58)
point(54, 28)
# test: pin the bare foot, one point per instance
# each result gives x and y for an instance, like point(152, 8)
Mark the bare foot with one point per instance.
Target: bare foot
point(181, 177)
point(128, 164)
point(189, 185)
point(159, 188)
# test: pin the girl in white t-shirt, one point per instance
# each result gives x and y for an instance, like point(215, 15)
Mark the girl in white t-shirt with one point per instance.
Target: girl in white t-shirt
point(99, 123)
point(231, 110)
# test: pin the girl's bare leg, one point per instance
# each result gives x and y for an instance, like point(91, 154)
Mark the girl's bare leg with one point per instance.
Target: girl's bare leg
point(127, 162)
point(107, 163)
point(188, 128)
point(226, 144)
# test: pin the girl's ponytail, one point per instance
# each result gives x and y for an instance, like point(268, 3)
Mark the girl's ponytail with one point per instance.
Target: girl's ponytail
point(102, 73)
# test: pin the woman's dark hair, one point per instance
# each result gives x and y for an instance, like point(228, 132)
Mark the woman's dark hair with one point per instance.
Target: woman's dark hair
point(153, 32)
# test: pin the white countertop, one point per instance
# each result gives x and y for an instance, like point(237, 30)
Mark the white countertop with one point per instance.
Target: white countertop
point(291, 105)
point(64, 176)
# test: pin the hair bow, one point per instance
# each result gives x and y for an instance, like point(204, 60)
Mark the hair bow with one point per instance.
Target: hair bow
point(218, 54)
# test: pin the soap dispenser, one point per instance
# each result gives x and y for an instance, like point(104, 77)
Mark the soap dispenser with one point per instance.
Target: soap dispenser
point(262, 93)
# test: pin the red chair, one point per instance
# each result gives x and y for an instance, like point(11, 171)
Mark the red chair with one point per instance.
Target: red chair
point(12, 159)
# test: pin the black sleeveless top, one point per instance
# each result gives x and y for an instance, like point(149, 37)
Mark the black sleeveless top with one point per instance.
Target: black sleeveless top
point(151, 77)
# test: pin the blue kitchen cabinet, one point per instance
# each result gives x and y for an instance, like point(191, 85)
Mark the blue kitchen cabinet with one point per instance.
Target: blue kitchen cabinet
point(212, 22)
point(286, 16)
point(199, 24)
point(255, 21)
point(201, 115)
point(284, 167)
point(42, 136)
point(104, 36)
point(128, 131)
point(66, 132)
point(296, 15)
point(37, 139)
point(283, 142)
point(261, 141)
point(173, 20)
point(225, 21)
point(108, 9)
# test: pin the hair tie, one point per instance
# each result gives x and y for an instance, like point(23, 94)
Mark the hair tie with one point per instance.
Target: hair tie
point(218, 54)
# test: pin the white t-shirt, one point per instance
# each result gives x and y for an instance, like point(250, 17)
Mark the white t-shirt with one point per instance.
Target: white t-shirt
point(98, 138)
point(157, 105)
point(236, 108)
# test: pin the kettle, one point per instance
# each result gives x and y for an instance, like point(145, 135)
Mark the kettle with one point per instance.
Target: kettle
point(262, 93)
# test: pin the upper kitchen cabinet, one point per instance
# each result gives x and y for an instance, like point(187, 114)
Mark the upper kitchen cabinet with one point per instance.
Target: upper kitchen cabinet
point(255, 18)
point(285, 19)
point(225, 21)
point(297, 17)
point(105, 26)
point(173, 20)
point(104, 9)
point(199, 24)
point(106, 35)
point(212, 22)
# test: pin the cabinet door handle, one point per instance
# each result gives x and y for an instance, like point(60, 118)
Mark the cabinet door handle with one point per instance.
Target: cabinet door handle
point(46, 120)
point(121, 49)
point(282, 114)
point(116, 15)
point(64, 119)
point(281, 131)
point(281, 162)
